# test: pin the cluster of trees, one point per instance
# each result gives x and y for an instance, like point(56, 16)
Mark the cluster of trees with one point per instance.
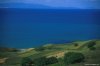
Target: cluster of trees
point(51, 60)
point(91, 45)
point(73, 57)
point(42, 61)
point(27, 62)
point(69, 58)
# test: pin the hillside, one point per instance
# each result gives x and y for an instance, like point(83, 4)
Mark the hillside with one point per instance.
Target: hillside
point(58, 51)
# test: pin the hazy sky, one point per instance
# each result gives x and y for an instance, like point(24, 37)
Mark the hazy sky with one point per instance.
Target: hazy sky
point(59, 3)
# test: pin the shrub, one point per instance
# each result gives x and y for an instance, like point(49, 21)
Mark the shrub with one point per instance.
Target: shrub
point(43, 61)
point(40, 61)
point(27, 62)
point(51, 60)
point(73, 57)
point(91, 44)
point(92, 48)
point(76, 44)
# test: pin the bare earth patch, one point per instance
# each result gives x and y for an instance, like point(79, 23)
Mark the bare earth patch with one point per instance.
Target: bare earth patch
point(3, 60)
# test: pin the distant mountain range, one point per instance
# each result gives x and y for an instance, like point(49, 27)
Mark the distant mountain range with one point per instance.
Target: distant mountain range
point(23, 5)
point(70, 4)
point(39, 6)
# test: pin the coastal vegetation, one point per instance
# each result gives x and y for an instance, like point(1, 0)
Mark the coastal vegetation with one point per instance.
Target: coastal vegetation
point(77, 53)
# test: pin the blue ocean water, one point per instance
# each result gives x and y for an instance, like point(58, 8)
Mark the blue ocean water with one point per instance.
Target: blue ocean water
point(24, 28)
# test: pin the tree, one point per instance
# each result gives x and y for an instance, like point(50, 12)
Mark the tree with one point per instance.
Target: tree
point(43, 61)
point(91, 44)
point(51, 60)
point(40, 61)
point(27, 62)
point(92, 48)
point(76, 44)
point(73, 57)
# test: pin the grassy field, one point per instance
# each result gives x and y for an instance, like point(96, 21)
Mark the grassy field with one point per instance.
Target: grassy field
point(58, 50)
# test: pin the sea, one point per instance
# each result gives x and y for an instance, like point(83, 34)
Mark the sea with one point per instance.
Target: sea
point(25, 28)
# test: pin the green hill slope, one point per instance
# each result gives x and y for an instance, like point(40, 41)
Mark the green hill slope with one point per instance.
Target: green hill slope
point(58, 50)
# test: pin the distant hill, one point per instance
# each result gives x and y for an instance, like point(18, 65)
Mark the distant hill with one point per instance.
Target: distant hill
point(81, 4)
point(6, 49)
point(21, 5)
